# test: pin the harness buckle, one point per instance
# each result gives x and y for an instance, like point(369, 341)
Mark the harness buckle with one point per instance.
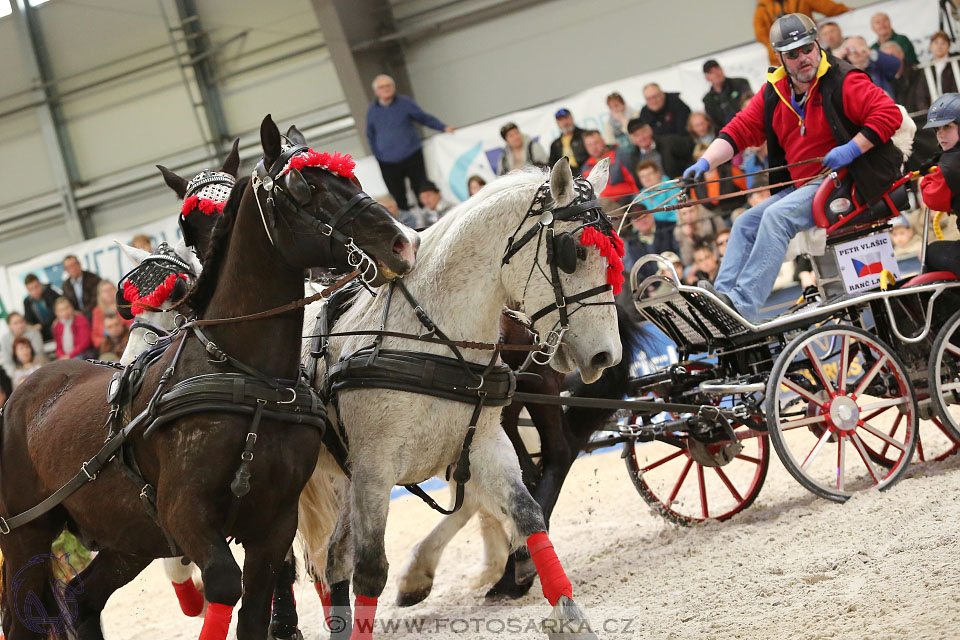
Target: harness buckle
point(90, 478)
point(4, 527)
point(478, 387)
point(292, 399)
point(247, 456)
point(150, 337)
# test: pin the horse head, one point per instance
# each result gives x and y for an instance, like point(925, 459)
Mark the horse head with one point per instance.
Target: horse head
point(315, 213)
point(563, 265)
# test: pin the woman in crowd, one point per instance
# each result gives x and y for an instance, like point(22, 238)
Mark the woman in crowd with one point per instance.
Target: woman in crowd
point(26, 360)
point(700, 127)
point(942, 70)
point(615, 131)
point(106, 304)
point(18, 329)
point(71, 332)
point(474, 184)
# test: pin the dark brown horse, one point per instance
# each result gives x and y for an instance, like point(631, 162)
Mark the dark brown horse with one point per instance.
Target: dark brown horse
point(56, 420)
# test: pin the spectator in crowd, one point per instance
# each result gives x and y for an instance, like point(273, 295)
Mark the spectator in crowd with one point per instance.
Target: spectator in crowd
point(754, 159)
point(880, 23)
point(695, 224)
point(675, 261)
point(722, 101)
point(434, 206)
point(142, 241)
point(906, 242)
point(831, 37)
point(570, 142)
point(665, 112)
point(706, 263)
point(26, 360)
point(615, 131)
point(71, 332)
point(672, 153)
point(720, 242)
point(80, 287)
point(645, 239)
point(768, 11)
point(650, 175)
point(942, 71)
point(621, 182)
point(729, 180)
point(404, 217)
point(700, 128)
point(910, 87)
point(881, 67)
point(106, 304)
point(116, 338)
point(38, 305)
point(18, 329)
point(6, 387)
point(474, 184)
point(394, 139)
point(520, 150)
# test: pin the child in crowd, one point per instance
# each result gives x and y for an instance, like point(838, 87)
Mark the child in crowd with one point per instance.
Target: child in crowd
point(26, 361)
point(71, 332)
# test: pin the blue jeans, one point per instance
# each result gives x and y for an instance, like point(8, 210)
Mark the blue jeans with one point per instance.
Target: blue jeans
point(758, 244)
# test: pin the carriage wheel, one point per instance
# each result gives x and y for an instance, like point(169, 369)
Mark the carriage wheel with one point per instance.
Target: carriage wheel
point(836, 394)
point(943, 374)
point(935, 442)
point(683, 490)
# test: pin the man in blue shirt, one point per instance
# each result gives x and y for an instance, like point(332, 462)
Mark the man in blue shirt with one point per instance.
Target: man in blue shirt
point(394, 139)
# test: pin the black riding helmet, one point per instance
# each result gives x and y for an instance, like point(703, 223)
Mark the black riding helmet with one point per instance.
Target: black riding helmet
point(792, 31)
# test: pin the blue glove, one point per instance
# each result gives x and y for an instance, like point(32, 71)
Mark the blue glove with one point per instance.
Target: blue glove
point(696, 170)
point(841, 156)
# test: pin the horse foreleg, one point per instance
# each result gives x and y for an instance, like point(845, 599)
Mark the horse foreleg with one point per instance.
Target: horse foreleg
point(497, 476)
point(370, 499)
point(222, 577)
point(180, 574)
point(339, 570)
point(262, 565)
point(106, 573)
point(283, 621)
point(416, 580)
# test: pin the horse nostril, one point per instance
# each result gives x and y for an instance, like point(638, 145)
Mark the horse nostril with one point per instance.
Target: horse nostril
point(404, 249)
point(400, 245)
point(601, 361)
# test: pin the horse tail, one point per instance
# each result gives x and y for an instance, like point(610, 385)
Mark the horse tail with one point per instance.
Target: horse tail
point(318, 511)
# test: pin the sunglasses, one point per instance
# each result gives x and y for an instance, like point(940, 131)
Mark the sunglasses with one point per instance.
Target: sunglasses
point(793, 54)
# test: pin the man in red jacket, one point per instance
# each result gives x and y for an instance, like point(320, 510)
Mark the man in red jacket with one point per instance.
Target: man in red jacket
point(812, 106)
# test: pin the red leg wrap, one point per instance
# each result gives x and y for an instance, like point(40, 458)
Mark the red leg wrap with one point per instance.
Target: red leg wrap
point(325, 601)
point(552, 577)
point(364, 613)
point(191, 600)
point(216, 624)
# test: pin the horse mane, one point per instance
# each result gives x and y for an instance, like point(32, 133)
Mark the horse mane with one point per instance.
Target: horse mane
point(200, 294)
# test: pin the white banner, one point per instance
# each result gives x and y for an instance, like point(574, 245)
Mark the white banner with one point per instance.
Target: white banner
point(99, 255)
point(452, 158)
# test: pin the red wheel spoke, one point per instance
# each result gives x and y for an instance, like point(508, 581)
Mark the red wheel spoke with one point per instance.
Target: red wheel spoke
point(842, 373)
point(678, 452)
point(952, 348)
point(883, 405)
point(743, 456)
point(939, 424)
point(919, 448)
point(867, 379)
point(858, 445)
point(880, 434)
point(676, 487)
point(704, 509)
point(816, 449)
point(728, 484)
point(841, 453)
point(818, 369)
point(896, 425)
point(793, 386)
point(801, 422)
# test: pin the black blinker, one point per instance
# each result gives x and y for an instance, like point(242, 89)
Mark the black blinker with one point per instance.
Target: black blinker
point(298, 187)
point(565, 252)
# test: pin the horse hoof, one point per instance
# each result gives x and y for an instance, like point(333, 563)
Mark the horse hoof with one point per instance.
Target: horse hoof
point(508, 588)
point(285, 634)
point(410, 598)
point(568, 622)
point(525, 571)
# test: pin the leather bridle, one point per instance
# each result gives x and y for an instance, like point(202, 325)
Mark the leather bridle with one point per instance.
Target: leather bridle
point(586, 209)
point(286, 186)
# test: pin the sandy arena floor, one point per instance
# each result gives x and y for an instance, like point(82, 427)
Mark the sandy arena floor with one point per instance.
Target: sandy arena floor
point(794, 566)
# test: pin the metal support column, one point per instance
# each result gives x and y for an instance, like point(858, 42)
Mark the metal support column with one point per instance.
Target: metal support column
point(63, 164)
point(346, 23)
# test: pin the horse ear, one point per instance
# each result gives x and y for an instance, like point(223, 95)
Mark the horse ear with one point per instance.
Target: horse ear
point(561, 182)
point(598, 177)
point(187, 255)
point(175, 182)
point(232, 164)
point(270, 139)
point(136, 256)
point(356, 182)
point(294, 136)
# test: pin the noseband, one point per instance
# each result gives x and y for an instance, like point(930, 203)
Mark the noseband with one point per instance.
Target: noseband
point(286, 186)
point(563, 254)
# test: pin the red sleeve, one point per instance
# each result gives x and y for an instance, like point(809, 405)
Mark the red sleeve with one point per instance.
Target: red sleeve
point(867, 105)
point(58, 338)
point(747, 127)
point(81, 337)
point(936, 193)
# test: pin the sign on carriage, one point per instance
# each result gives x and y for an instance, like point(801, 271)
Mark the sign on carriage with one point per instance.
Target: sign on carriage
point(862, 261)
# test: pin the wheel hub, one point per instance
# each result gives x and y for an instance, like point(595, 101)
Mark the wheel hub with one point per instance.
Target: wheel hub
point(844, 413)
point(717, 454)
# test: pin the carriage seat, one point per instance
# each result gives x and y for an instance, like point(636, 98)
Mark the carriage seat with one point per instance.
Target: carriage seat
point(928, 278)
point(837, 209)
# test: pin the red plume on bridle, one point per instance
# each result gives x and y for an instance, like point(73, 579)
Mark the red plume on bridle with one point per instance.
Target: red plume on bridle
point(204, 205)
point(341, 164)
point(610, 247)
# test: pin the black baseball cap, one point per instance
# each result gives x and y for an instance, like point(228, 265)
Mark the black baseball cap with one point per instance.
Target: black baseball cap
point(562, 112)
point(710, 64)
point(427, 185)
